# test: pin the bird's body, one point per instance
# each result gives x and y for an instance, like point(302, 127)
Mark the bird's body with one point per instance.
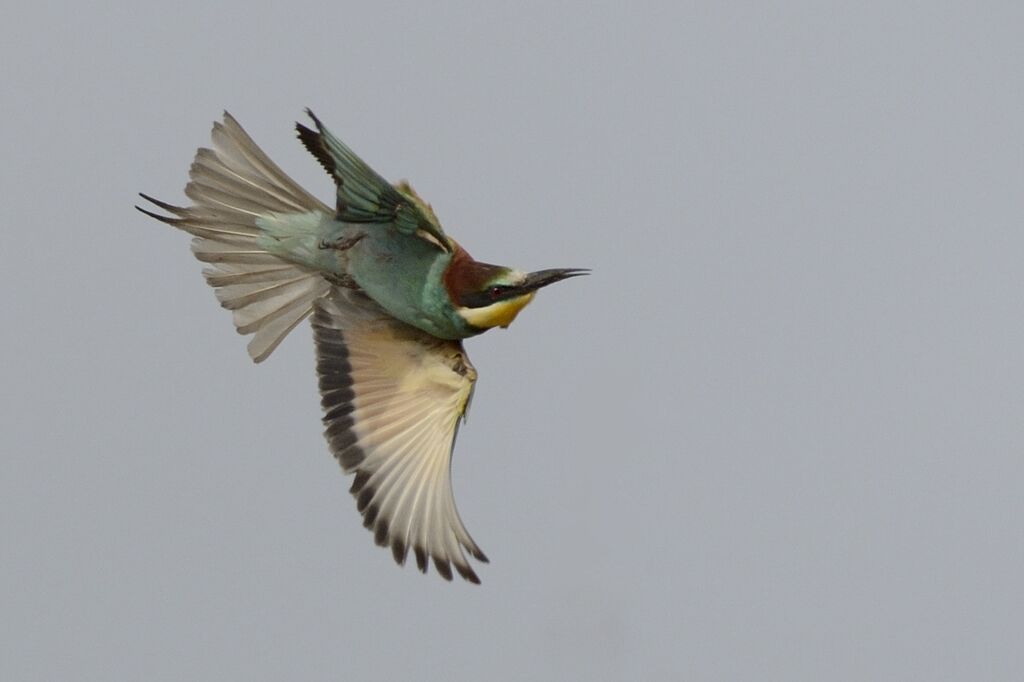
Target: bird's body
point(391, 295)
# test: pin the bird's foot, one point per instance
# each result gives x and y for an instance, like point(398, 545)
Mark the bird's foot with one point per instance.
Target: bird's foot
point(345, 281)
point(343, 243)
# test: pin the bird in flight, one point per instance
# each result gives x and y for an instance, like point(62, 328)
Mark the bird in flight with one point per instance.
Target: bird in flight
point(391, 295)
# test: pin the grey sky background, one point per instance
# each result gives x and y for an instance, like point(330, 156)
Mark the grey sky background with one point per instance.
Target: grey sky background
point(777, 435)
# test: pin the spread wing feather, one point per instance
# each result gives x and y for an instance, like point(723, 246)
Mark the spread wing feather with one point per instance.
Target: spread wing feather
point(393, 397)
point(363, 195)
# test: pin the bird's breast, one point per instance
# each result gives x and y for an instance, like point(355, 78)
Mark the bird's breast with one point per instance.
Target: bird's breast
point(403, 275)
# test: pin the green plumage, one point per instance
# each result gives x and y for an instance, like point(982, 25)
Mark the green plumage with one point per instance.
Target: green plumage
point(401, 253)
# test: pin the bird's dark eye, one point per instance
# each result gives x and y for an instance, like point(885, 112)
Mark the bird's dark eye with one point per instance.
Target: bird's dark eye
point(495, 292)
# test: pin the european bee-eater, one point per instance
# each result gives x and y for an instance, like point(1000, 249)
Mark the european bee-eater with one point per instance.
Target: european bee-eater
point(392, 297)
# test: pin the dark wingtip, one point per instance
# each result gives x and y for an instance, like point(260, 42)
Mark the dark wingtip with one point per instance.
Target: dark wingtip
point(443, 568)
point(360, 481)
point(311, 141)
point(370, 517)
point(380, 533)
point(466, 572)
point(421, 558)
point(316, 121)
point(310, 138)
point(365, 496)
point(399, 551)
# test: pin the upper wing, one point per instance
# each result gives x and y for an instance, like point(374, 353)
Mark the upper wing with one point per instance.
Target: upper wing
point(393, 397)
point(363, 195)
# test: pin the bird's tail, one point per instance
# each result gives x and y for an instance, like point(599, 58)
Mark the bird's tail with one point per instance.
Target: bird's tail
point(239, 197)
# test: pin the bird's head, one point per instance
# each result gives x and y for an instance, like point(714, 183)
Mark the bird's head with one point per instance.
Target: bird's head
point(486, 295)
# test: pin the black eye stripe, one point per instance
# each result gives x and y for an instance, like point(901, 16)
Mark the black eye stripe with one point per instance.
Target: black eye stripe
point(492, 294)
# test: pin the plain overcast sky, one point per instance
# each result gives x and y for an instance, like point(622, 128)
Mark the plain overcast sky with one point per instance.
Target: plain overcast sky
point(777, 435)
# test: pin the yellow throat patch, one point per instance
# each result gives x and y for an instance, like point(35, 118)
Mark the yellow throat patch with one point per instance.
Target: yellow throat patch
point(498, 314)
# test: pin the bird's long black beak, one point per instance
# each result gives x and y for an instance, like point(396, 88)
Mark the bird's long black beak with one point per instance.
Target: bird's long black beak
point(542, 278)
